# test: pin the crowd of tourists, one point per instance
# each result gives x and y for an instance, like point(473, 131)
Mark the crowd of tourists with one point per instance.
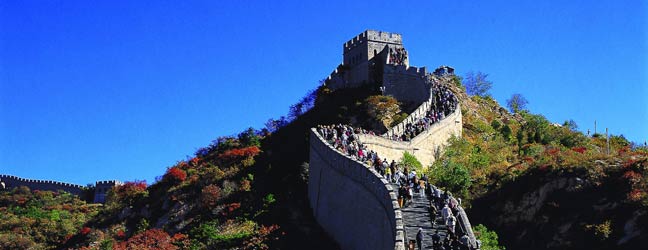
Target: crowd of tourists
point(444, 103)
point(346, 139)
point(447, 206)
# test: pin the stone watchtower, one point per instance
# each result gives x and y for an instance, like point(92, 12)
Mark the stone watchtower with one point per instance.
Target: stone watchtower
point(365, 54)
point(379, 58)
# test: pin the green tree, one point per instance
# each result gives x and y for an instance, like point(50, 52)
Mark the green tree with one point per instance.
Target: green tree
point(517, 103)
point(453, 176)
point(506, 132)
point(410, 161)
point(476, 84)
point(496, 124)
point(489, 239)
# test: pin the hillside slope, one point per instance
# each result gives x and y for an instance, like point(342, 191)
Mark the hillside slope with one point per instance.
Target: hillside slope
point(546, 186)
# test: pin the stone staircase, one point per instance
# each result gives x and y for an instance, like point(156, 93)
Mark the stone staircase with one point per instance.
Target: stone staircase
point(416, 215)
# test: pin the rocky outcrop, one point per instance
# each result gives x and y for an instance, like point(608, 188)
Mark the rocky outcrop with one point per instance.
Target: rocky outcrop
point(562, 210)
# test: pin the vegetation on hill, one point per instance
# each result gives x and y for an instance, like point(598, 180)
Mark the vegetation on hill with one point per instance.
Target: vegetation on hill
point(516, 172)
point(247, 191)
point(40, 219)
point(504, 158)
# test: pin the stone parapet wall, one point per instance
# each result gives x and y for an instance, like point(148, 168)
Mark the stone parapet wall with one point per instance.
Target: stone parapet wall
point(351, 201)
point(406, 83)
point(418, 113)
point(464, 224)
point(11, 181)
point(426, 146)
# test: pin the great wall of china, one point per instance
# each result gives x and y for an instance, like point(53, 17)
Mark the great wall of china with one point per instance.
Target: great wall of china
point(101, 188)
point(355, 204)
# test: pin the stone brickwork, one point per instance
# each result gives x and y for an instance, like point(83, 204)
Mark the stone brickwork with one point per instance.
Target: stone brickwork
point(405, 83)
point(364, 57)
point(351, 201)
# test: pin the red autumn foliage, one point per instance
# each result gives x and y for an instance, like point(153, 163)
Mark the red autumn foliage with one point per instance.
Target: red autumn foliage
point(85, 230)
point(179, 237)
point(233, 206)
point(176, 174)
point(263, 235)
point(553, 151)
point(195, 161)
point(21, 200)
point(629, 163)
point(528, 159)
point(129, 191)
point(229, 208)
point(183, 165)
point(624, 150)
point(137, 185)
point(149, 239)
point(246, 185)
point(632, 176)
point(579, 149)
point(210, 195)
point(636, 195)
point(121, 234)
point(239, 153)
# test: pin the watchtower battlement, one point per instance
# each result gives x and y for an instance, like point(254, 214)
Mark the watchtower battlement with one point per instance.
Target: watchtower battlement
point(373, 36)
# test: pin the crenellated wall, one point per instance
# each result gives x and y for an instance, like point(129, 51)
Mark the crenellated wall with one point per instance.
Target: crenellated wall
point(11, 181)
point(425, 146)
point(351, 201)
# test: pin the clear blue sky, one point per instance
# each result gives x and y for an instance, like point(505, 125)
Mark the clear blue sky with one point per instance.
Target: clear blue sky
point(123, 89)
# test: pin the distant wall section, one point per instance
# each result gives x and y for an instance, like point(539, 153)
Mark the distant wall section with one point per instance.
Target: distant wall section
point(11, 181)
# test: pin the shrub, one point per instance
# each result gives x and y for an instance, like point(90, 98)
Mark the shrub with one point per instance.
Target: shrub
point(601, 231)
point(175, 174)
point(453, 176)
point(126, 194)
point(269, 200)
point(249, 138)
point(506, 132)
point(239, 153)
point(398, 119)
point(411, 162)
point(380, 107)
point(149, 239)
point(214, 234)
point(489, 239)
point(85, 231)
point(496, 124)
point(210, 195)
point(636, 195)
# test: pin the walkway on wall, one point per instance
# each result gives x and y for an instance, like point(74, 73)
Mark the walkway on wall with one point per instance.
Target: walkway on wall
point(417, 215)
